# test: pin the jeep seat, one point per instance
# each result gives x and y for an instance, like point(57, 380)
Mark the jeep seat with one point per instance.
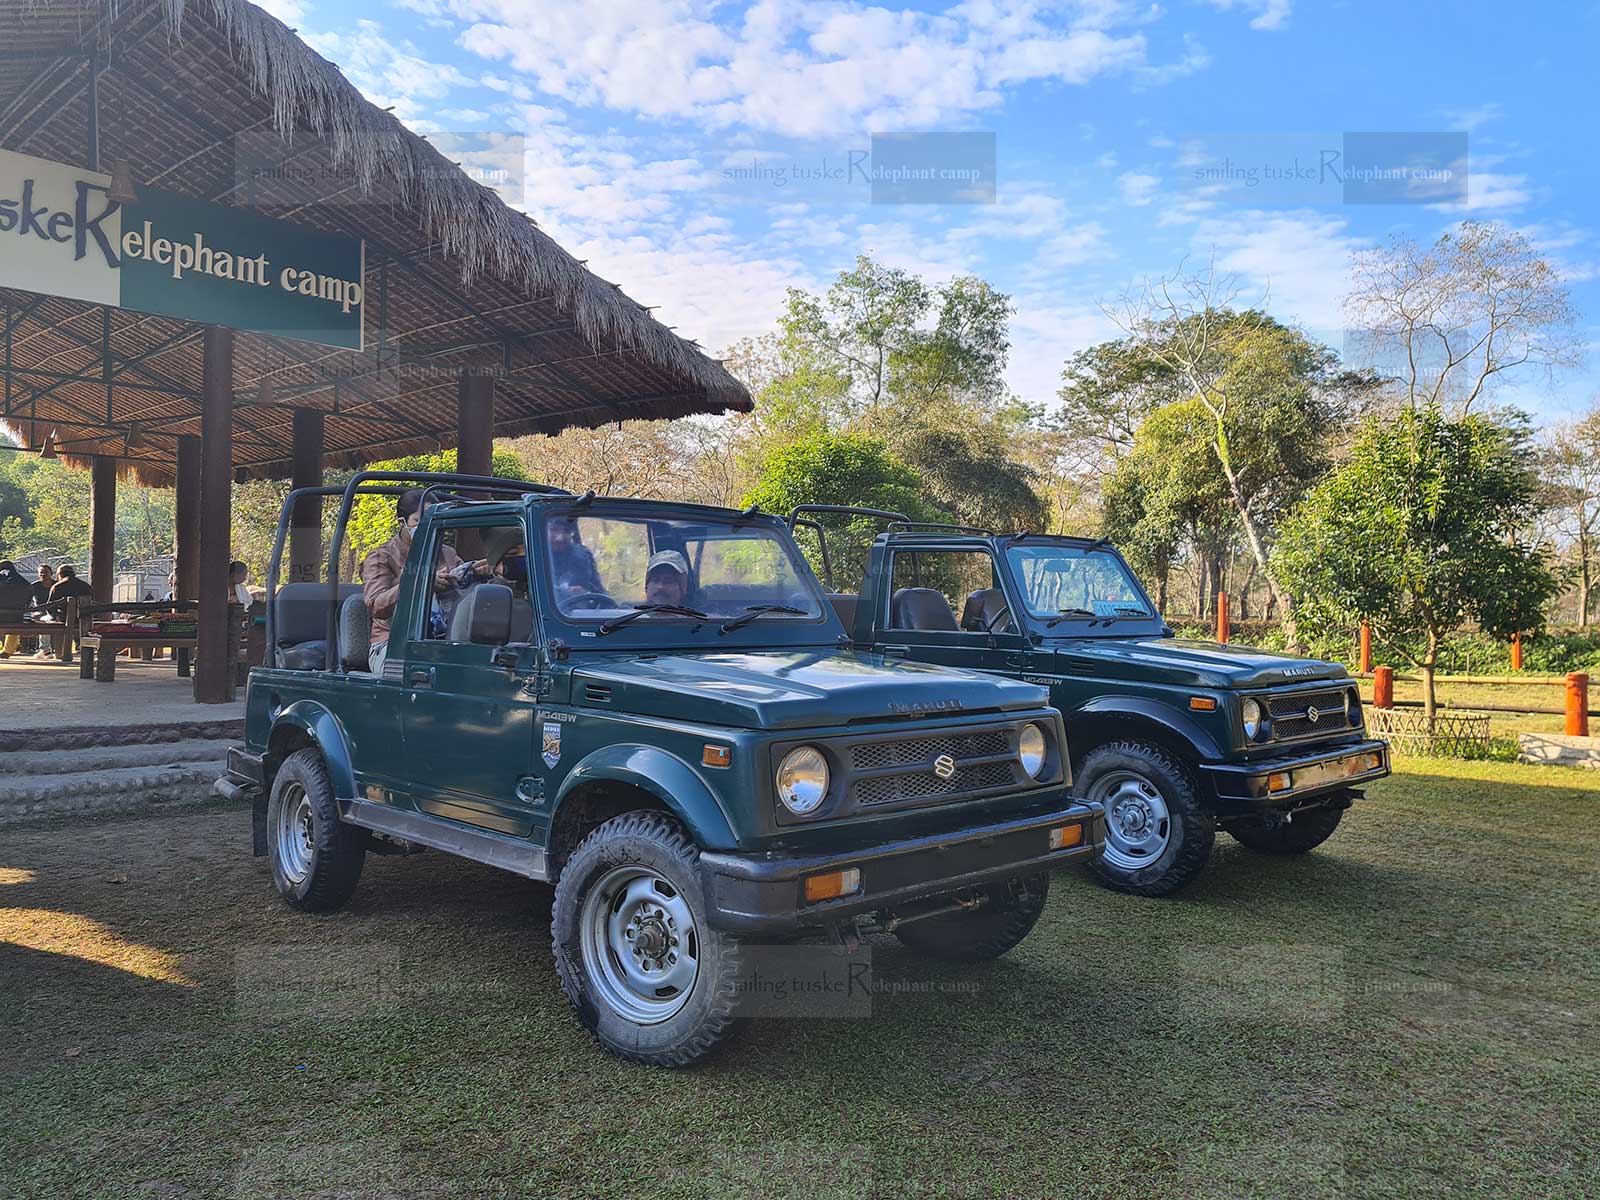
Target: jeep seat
point(300, 623)
point(923, 609)
point(461, 619)
point(355, 633)
point(981, 607)
point(845, 604)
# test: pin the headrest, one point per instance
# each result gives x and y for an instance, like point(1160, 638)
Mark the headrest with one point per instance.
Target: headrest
point(921, 608)
point(355, 633)
point(982, 606)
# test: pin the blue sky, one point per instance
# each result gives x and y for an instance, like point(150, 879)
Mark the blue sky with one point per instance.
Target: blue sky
point(1125, 136)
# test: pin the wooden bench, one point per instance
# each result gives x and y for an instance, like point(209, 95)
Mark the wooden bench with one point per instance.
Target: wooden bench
point(98, 652)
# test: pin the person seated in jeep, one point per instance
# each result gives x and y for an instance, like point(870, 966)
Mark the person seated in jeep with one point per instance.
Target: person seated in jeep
point(572, 567)
point(381, 571)
point(666, 578)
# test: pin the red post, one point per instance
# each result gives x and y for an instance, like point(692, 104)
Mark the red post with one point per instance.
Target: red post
point(1383, 688)
point(1222, 617)
point(1366, 648)
point(1516, 652)
point(1578, 704)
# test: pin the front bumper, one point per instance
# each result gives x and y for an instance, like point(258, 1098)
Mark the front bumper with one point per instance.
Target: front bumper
point(1244, 788)
point(750, 893)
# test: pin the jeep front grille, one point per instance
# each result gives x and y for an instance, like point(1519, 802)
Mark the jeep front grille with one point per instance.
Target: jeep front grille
point(925, 785)
point(918, 752)
point(1291, 713)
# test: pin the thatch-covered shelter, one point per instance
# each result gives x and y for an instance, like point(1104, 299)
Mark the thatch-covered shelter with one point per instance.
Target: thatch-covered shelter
point(475, 323)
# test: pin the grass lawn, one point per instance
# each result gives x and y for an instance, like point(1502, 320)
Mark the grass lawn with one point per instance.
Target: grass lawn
point(1414, 1010)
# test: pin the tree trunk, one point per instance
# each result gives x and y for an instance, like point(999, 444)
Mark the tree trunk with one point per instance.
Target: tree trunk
point(1430, 661)
point(1258, 550)
point(1244, 592)
point(1583, 585)
point(1200, 588)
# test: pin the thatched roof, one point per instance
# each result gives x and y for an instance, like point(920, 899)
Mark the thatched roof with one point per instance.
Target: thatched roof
point(470, 282)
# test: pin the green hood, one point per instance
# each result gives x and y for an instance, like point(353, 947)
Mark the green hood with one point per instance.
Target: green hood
point(795, 689)
point(1185, 663)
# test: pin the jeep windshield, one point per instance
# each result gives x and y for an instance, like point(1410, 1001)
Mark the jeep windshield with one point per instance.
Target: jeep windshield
point(1061, 582)
point(716, 574)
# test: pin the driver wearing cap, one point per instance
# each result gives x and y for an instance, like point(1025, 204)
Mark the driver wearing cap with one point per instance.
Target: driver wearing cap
point(666, 578)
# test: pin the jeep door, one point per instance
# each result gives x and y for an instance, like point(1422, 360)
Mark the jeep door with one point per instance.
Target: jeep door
point(469, 722)
point(948, 605)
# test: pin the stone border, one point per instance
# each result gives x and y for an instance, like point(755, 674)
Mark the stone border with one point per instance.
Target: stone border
point(81, 737)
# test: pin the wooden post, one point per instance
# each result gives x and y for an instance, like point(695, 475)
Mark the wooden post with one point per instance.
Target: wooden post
point(1383, 688)
point(305, 523)
point(102, 527)
point(187, 518)
point(213, 672)
point(474, 442)
point(1223, 629)
point(1516, 652)
point(1578, 704)
point(1366, 649)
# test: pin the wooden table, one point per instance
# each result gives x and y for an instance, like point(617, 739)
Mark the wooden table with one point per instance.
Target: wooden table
point(97, 652)
point(52, 630)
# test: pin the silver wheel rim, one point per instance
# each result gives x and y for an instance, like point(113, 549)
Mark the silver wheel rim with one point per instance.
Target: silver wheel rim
point(295, 833)
point(1138, 822)
point(641, 949)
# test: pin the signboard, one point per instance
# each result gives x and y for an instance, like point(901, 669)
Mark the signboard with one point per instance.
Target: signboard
point(173, 256)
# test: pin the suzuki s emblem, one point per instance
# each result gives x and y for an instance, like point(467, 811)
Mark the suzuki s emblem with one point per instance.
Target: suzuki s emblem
point(944, 766)
point(1313, 714)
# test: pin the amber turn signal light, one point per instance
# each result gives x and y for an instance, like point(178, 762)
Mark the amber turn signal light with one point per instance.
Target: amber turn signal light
point(833, 885)
point(1278, 781)
point(1063, 837)
point(716, 756)
point(1203, 703)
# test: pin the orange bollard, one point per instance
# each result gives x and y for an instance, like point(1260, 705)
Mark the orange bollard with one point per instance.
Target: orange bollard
point(1383, 688)
point(1366, 649)
point(1578, 704)
point(1223, 628)
point(1516, 652)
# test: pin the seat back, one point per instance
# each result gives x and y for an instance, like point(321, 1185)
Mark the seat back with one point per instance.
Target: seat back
point(355, 632)
point(922, 608)
point(981, 607)
point(300, 611)
point(461, 619)
point(845, 604)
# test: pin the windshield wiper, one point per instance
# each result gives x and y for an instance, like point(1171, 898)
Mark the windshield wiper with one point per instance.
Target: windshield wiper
point(1065, 613)
point(644, 610)
point(756, 611)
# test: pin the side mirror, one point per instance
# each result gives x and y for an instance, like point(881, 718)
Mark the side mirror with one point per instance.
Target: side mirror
point(489, 621)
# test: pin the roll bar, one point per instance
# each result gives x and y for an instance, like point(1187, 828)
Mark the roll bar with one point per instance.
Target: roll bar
point(798, 518)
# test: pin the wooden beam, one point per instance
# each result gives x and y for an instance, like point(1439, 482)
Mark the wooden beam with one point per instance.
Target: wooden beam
point(213, 672)
point(102, 527)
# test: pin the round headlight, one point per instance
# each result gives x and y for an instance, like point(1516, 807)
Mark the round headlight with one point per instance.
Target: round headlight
point(803, 780)
point(1252, 719)
point(1031, 748)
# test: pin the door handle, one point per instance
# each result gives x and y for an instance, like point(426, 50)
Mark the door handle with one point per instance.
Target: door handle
point(897, 651)
point(421, 677)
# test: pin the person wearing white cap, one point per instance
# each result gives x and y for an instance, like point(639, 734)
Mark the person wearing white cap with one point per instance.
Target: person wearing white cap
point(666, 578)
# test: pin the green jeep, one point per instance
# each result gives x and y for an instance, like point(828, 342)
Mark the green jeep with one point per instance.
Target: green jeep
point(652, 706)
point(1175, 738)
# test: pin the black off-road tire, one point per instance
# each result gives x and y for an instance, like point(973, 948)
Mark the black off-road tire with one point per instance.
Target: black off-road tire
point(1191, 828)
point(659, 844)
point(1309, 829)
point(1013, 909)
point(337, 852)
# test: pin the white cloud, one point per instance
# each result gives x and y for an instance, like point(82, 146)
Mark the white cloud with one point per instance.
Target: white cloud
point(390, 73)
point(290, 12)
point(1269, 14)
point(1138, 188)
point(1300, 260)
point(812, 69)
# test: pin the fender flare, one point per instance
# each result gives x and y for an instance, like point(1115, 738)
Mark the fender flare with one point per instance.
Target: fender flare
point(668, 778)
point(328, 735)
point(1136, 708)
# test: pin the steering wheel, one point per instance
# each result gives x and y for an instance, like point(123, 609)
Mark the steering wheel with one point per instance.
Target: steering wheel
point(992, 622)
point(589, 600)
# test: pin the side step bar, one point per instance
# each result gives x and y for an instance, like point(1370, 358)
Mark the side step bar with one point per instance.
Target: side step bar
point(509, 854)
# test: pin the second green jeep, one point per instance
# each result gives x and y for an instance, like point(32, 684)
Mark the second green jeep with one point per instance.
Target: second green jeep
point(654, 707)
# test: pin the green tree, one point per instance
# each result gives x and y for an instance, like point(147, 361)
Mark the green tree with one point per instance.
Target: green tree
point(851, 469)
point(1418, 533)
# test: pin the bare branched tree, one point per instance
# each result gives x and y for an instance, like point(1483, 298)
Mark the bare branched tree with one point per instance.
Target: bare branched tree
point(1446, 322)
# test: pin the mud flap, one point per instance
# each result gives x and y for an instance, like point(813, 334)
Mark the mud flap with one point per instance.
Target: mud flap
point(258, 824)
